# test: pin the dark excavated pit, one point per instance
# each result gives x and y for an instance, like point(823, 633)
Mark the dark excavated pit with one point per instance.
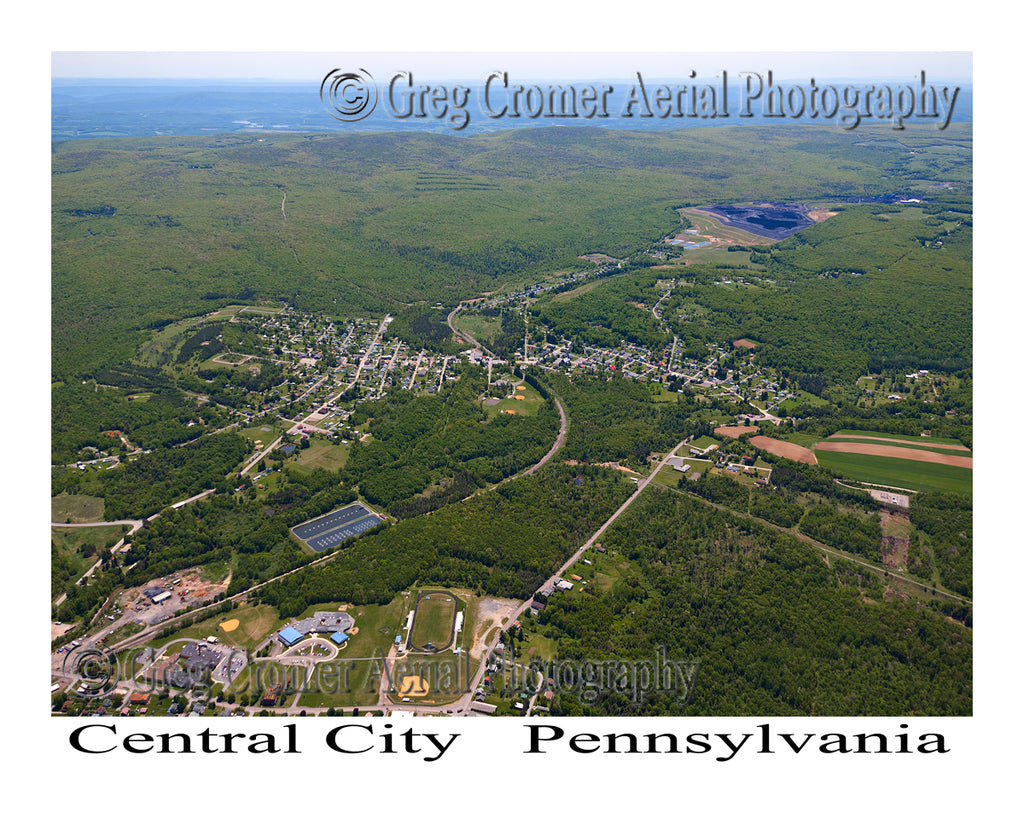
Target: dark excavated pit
point(773, 220)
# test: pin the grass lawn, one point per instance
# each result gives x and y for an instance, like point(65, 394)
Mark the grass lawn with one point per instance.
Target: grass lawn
point(267, 311)
point(741, 476)
point(260, 675)
point(802, 399)
point(160, 348)
point(535, 646)
point(605, 576)
point(916, 475)
point(442, 677)
point(264, 433)
point(268, 483)
point(377, 625)
point(895, 526)
point(705, 441)
point(579, 291)
point(214, 572)
point(342, 683)
point(668, 477)
point(320, 455)
point(483, 328)
point(665, 395)
point(66, 508)
point(720, 255)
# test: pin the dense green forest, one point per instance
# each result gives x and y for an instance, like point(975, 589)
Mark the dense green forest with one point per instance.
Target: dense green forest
point(774, 630)
point(945, 521)
point(485, 543)
point(609, 315)
point(150, 482)
point(614, 418)
point(83, 413)
point(419, 442)
point(805, 496)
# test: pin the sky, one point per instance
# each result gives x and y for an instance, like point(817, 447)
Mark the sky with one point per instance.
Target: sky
point(304, 66)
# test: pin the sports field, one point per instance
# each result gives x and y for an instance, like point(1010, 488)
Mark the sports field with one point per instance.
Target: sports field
point(434, 621)
point(245, 627)
point(525, 401)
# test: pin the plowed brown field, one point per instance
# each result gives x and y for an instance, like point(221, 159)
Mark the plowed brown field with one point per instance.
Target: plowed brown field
point(784, 449)
point(906, 453)
point(918, 441)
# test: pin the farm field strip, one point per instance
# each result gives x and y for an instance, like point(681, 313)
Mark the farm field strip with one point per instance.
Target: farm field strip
point(919, 476)
point(918, 443)
point(890, 436)
point(897, 452)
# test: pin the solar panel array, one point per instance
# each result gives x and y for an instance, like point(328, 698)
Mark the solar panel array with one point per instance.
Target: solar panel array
point(331, 529)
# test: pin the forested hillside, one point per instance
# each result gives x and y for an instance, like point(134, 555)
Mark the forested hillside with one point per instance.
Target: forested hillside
point(146, 230)
point(773, 628)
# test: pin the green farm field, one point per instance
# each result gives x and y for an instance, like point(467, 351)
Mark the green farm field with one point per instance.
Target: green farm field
point(916, 475)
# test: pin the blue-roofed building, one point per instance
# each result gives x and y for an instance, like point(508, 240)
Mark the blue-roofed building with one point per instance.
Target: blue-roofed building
point(289, 636)
point(339, 637)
